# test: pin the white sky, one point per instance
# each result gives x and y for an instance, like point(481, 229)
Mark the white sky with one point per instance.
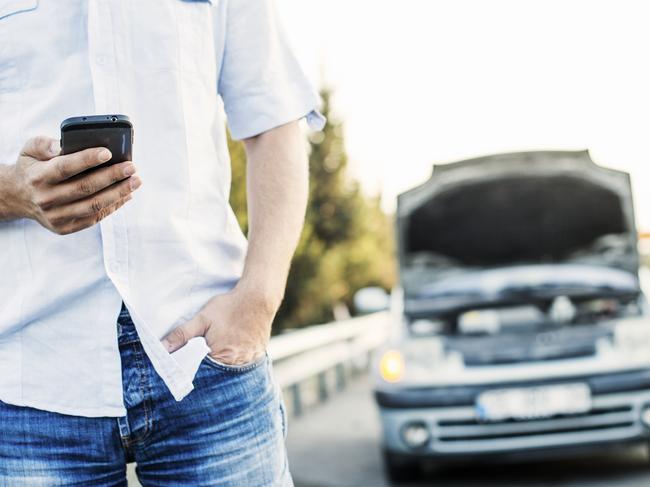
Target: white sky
point(424, 81)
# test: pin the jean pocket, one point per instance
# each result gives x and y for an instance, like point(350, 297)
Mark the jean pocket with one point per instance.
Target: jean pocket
point(236, 369)
point(13, 7)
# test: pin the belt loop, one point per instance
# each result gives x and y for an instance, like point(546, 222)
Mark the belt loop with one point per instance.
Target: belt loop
point(123, 424)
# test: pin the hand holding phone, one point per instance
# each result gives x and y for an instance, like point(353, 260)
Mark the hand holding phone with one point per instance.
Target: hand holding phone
point(72, 191)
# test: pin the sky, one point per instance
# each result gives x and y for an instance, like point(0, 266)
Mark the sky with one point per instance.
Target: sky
point(419, 82)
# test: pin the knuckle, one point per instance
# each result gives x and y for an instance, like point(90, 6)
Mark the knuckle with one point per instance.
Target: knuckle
point(96, 206)
point(92, 157)
point(125, 190)
point(60, 230)
point(57, 222)
point(101, 214)
point(39, 141)
point(61, 169)
point(31, 145)
point(204, 321)
point(179, 336)
point(85, 186)
point(44, 201)
point(34, 178)
point(117, 174)
point(42, 144)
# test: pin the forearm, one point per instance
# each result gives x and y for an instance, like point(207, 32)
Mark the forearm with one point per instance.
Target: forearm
point(277, 183)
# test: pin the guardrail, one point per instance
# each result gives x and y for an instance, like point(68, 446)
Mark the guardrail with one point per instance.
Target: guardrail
point(310, 363)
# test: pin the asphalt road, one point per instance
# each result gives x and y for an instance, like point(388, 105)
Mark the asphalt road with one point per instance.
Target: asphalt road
point(336, 445)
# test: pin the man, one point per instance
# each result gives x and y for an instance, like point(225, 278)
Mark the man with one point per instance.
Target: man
point(134, 315)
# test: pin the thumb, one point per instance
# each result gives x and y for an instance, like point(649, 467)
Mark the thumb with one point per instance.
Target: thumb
point(41, 148)
point(196, 327)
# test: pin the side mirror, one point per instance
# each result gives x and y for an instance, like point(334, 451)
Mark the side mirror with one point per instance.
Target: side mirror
point(370, 300)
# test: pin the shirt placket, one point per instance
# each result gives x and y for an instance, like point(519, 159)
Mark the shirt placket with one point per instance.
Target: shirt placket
point(104, 71)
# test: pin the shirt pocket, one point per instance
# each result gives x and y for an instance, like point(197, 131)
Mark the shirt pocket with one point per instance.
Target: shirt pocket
point(12, 74)
point(176, 35)
point(10, 11)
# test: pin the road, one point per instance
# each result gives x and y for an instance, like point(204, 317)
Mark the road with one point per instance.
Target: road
point(336, 445)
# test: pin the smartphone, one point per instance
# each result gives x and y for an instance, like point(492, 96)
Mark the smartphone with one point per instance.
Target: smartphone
point(115, 132)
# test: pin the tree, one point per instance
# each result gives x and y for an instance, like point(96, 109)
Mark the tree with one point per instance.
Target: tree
point(347, 241)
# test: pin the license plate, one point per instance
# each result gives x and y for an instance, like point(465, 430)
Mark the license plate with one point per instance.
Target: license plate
point(533, 402)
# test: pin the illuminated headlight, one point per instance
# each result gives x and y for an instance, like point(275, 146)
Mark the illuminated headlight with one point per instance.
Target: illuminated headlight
point(417, 358)
point(633, 338)
point(415, 434)
point(391, 366)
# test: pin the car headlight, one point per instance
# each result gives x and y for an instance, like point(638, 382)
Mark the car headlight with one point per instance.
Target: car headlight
point(391, 366)
point(418, 358)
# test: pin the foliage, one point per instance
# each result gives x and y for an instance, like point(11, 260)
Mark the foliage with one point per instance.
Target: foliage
point(347, 241)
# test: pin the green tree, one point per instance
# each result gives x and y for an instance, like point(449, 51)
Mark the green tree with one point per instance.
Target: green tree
point(347, 241)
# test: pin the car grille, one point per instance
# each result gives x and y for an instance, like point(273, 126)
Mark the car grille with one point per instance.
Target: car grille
point(610, 418)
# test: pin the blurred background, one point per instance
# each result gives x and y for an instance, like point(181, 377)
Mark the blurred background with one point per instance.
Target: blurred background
point(410, 84)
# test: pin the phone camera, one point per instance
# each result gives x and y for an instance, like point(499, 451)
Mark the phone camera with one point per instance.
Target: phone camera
point(114, 119)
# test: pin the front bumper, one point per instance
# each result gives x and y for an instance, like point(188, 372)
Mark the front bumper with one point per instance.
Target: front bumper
point(615, 417)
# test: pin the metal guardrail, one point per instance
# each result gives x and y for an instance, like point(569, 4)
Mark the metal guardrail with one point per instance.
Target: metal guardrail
point(310, 363)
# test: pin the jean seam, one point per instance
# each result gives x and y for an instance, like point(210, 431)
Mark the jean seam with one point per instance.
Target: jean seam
point(146, 389)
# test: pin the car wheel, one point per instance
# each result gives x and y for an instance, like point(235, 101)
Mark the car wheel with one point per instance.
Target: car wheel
point(401, 469)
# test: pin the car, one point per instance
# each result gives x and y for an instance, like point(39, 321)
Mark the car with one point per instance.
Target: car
point(521, 327)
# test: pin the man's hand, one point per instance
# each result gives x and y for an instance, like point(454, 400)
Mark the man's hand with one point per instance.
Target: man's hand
point(48, 187)
point(236, 327)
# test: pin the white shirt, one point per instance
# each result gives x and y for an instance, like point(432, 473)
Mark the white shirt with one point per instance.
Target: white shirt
point(167, 64)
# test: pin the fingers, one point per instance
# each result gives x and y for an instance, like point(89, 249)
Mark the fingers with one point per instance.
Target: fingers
point(77, 224)
point(89, 184)
point(94, 204)
point(66, 166)
point(196, 327)
point(41, 148)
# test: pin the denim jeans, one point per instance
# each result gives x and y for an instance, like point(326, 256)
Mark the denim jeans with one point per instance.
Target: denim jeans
point(229, 431)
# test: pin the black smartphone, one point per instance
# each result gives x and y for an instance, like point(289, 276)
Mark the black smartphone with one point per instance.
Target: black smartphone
point(115, 132)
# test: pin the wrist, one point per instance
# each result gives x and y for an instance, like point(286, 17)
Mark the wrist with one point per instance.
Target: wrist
point(266, 296)
point(11, 207)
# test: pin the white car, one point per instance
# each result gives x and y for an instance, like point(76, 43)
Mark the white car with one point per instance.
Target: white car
point(522, 327)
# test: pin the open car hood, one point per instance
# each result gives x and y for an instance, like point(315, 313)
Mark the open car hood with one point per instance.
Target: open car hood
point(526, 208)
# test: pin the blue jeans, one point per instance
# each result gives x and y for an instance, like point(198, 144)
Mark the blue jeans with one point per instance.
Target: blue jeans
point(229, 431)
